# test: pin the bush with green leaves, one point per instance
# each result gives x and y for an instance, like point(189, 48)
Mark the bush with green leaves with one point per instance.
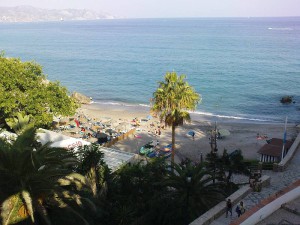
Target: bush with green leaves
point(25, 91)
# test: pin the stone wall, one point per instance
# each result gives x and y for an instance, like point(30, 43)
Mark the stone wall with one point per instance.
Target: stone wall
point(119, 138)
point(288, 157)
point(220, 208)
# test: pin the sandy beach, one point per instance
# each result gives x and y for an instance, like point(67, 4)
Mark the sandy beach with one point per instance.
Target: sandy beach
point(248, 137)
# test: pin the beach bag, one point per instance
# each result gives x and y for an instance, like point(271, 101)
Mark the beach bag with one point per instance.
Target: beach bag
point(243, 210)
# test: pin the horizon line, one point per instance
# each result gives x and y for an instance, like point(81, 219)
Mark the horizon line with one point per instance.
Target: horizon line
point(157, 17)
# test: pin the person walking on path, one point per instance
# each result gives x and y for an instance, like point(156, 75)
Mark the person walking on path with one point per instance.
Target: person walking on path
point(228, 207)
point(240, 209)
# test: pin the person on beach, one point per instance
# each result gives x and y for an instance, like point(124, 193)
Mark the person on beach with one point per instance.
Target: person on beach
point(228, 207)
point(193, 135)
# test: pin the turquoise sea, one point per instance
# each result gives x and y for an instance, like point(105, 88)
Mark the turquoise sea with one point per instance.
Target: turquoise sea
point(241, 66)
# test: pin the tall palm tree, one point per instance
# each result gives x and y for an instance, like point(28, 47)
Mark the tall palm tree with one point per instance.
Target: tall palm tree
point(193, 189)
point(172, 101)
point(34, 178)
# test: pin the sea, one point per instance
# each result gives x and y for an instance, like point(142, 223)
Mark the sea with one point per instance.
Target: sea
point(242, 67)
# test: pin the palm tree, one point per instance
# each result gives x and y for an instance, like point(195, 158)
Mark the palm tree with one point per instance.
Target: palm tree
point(192, 188)
point(34, 178)
point(133, 192)
point(172, 100)
point(92, 165)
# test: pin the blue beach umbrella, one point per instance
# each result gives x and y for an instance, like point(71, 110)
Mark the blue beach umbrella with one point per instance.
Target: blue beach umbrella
point(149, 117)
point(191, 132)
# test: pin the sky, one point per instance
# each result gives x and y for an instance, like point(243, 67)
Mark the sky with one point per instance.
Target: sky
point(173, 8)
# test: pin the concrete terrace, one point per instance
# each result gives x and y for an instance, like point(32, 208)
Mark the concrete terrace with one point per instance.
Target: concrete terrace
point(279, 181)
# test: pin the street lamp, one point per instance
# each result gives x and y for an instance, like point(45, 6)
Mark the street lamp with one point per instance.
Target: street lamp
point(213, 140)
point(188, 179)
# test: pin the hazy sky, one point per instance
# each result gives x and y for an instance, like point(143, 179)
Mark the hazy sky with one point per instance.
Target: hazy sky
point(173, 8)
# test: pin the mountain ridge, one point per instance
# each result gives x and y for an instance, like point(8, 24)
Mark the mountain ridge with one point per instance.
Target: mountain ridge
point(26, 13)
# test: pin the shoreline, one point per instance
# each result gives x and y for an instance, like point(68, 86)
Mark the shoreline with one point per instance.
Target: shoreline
point(242, 135)
point(195, 115)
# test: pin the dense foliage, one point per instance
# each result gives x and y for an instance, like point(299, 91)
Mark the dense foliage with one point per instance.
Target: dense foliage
point(36, 181)
point(225, 165)
point(25, 90)
point(44, 185)
point(173, 100)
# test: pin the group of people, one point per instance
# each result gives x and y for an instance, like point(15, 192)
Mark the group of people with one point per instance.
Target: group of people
point(157, 129)
point(240, 208)
point(157, 132)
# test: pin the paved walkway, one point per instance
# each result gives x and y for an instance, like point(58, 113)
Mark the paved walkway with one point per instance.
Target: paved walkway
point(279, 180)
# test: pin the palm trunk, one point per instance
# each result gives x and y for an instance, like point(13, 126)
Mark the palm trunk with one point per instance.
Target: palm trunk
point(42, 211)
point(173, 144)
point(229, 176)
point(93, 179)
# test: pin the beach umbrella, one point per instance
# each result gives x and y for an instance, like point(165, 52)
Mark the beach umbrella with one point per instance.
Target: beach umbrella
point(122, 125)
point(149, 117)
point(110, 131)
point(106, 119)
point(77, 123)
point(101, 135)
point(107, 124)
point(224, 132)
point(191, 132)
point(99, 124)
point(69, 143)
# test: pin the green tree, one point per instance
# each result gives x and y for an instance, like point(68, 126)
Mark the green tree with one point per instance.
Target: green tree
point(24, 90)
point(172, 100)
point(191, 187)
point(234, 164)
point(225, 165)
point(19, 124)
point(92, 165)
point(35, 180)
point(133, 193)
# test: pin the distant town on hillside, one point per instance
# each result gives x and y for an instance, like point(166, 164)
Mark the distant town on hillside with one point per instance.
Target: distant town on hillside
point(32, 14)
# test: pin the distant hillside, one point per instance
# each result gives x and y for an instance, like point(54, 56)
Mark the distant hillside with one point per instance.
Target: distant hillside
point(32, 14)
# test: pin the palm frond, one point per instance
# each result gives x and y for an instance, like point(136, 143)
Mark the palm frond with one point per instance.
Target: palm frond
point(28, 204)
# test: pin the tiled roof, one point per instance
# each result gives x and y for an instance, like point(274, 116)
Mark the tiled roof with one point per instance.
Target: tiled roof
point(274, 148)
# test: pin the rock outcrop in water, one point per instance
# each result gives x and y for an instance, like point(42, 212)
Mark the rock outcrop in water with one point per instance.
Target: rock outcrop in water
point(287, 99)
point(80, 98)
